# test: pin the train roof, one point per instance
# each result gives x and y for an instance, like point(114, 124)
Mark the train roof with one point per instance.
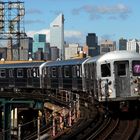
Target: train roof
point(66, 62)
point(21, 65)
point(119, 55)
point(115, 55)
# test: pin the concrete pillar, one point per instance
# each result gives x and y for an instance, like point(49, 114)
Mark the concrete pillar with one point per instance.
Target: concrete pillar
point(7, 122)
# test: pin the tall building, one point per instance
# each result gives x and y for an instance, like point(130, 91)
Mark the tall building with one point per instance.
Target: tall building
point(92, 43)
point(122, 44)
point(40, 47)
point(26, 48)
point(54, 53)
point(133, 45)
point(107, 46)
point(57, 35)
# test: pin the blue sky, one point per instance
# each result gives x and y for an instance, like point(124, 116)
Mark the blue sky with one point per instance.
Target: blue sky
point(109, 19)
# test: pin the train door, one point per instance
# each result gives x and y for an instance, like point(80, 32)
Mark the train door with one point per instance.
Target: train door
point(74, 77)
point(60, 77)
point(11, 78)
point(122, 78)
point(29, 78)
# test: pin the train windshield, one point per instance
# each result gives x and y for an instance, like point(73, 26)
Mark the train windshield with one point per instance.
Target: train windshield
point(136, 68)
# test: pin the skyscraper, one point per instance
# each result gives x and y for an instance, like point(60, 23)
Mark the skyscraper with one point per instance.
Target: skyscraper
point(40, 47)
point(92, 43)
point(57, 35)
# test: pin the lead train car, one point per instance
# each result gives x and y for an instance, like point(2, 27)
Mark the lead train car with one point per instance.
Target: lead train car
point(119, 73)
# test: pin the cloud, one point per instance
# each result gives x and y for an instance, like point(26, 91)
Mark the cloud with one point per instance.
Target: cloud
point(96, 12)
point(70, 36)
point(43, 31)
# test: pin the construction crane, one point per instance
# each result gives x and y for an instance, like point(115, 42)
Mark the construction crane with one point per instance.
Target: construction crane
point(12, 25)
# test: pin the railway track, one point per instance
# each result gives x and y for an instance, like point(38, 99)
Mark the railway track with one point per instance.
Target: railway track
point(93, 125)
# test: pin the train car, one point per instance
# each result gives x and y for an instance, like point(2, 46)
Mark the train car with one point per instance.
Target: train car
point(21, 76)
point(118, 78)
point(65, 75)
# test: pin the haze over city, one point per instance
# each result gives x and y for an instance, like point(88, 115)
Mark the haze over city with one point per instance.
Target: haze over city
point(109, 19)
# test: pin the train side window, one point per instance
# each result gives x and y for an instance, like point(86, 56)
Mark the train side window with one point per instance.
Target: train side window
point(121, 69)
point(78, 71)
point(86, 70)
point(60, 71)
point(19, 73)
point(66, 71)
point(44, 72)
point(105, 70)
point(2, 73)
point(11, 73)
point(74, 71)
point(29, 73)
point(48, 72)
point(37, 72)
point(53, 70)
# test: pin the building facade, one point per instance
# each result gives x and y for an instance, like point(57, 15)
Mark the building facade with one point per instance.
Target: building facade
point(107, 46)
point(20, 53)
point(122, 44)
point(92, 43)
point(40, 47)
point(133, 45)
point(57, 35)
point(71, 50)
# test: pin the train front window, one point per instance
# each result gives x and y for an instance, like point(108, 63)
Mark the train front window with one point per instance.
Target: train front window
point(121, 69)
point(136, 68)
point(105, 70)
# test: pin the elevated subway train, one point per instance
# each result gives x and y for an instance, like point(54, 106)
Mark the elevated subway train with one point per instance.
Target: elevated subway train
point(113, 77)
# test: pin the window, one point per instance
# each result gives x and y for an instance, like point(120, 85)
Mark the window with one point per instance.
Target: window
point(44, 72)
point(60, 71)
point(37, 72)
point(66, 71)
point(34, 72)
point(105, 70)
point(78, 71)
point(48, 72)
point(2, 73)
point(74, 71)
point(29, 73)
point(86, 71)
point(121, 70)
point(19, 73)
point(11, 73)
point(53, 71)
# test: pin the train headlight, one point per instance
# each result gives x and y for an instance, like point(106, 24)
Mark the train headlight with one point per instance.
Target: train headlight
point(136, 89)
point(110, 91)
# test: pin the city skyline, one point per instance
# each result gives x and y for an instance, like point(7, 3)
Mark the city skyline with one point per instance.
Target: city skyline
point(109, 19)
